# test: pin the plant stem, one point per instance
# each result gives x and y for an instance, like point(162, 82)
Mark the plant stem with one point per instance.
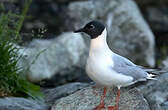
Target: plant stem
point(22, 17)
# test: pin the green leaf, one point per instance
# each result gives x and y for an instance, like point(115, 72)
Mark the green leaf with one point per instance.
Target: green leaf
point(12, 80)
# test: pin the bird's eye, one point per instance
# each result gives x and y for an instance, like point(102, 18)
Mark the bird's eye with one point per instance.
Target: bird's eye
point(91, 26)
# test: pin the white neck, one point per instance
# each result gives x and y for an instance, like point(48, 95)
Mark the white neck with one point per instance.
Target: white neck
point(99, 43)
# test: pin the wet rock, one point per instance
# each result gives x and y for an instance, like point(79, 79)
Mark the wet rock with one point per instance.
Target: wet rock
point(59, 56)
point(12, 103)
point(155, 92)
point(85, 99)
point(128, 33)
point(53, 94)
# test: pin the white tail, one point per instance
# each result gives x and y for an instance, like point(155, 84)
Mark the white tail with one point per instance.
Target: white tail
point(150, 76)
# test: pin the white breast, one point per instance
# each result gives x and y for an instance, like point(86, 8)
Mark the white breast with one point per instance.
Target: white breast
point(99, 64)
point(100, 71)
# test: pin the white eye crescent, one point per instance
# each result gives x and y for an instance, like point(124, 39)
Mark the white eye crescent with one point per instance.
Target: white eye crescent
point(91, 26)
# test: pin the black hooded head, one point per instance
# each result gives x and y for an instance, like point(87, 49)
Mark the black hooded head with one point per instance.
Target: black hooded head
point(93, 28)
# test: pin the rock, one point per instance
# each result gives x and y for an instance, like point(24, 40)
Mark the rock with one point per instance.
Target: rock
point(59, 56)
point(155, 92)
point(165, 105)
point(164, 64)
point(155, 13)
point(85, 99)
point(53, 94)
point(12, 103)
point(129, 35)
point(157, 18)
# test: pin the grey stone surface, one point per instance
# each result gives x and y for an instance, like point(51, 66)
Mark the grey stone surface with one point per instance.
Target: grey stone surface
point(165, 105)
point(53, 94)
point(164, 64)
point(12, 103)
point(85, 99)
point(155, 92)
point(58, 56)
point(128, 33)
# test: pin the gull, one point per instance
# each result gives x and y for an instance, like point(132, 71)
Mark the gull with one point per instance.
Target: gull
point(107, 68)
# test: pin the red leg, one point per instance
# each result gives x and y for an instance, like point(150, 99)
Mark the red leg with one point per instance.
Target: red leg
point(116, 107)
point(101, 105)
point(118, 99)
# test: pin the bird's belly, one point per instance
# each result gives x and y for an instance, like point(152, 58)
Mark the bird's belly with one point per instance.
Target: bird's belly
point(102, 74)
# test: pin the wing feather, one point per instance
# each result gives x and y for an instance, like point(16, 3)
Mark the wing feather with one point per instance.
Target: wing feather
point(126, 67)
point(133, 71)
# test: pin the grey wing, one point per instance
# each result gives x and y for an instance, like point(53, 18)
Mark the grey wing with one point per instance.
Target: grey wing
point(120, 61)
point(133, 71)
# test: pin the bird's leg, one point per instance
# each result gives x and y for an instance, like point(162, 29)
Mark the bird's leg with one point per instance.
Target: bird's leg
point(101, 105)
point(116, 107)
point(118, 99)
